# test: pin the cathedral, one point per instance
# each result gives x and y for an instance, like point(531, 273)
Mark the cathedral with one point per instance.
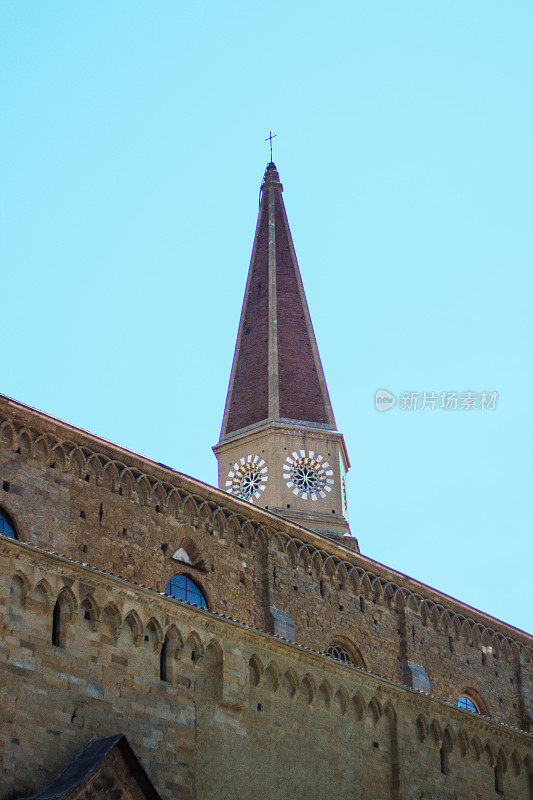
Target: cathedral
point(163, 638)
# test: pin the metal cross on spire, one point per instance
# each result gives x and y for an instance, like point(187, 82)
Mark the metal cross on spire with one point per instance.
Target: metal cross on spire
point(269, 139)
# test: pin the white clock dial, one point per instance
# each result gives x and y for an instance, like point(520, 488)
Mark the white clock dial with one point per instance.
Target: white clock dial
point(307, 475)
point(247, 478)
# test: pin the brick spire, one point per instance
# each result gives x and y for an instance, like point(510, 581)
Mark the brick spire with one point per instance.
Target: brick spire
point(276, 375)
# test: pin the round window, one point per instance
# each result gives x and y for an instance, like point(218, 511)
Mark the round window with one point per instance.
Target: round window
point(307, 475)
point(338, 652)
point(247, 478)
point(184, 588)
point(466, 703)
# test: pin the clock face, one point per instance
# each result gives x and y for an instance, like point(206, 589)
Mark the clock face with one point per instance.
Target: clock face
point(247, 478)
point(307, 475)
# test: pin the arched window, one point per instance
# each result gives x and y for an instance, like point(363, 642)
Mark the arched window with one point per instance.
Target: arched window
point(445, 753)
point(56, 625)
point(184, 588)
point(338, 652)
point(6, 525)
point(467, 703)
point(499, 771)
point(61, 617)
point(165, 670)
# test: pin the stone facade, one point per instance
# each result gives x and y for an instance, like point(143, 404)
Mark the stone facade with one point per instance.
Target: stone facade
point(313, 672)
point(246, 703)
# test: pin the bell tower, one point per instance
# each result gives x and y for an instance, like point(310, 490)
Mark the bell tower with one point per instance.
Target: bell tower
point(279, 446)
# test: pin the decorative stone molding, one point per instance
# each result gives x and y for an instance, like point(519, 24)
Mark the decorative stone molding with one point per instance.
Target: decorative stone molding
point(172, 496)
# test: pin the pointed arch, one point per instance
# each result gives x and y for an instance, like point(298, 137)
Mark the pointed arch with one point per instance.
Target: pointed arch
point(376, 590)
point(421, 727)
point(43, 594)
point(289, 683)
point(231, 528)
point(358, 705)
point(189, 509)
point(329, 569)
point(400, 599)
point(94, 470)
point(366, 588)
point(219, 523)
point(62, 615)
point(77, 462)
point(132, 628)
point(476, 637)
point(446, 752)
point(436, 733)
point(342, 576)
point(506, 649)
point(25, 443)
point(248, 534)
point(490, 753)
point(388, 595)
point(305, 557)
point(323, 695)
point(292, 553)
point(89, 611)
point(462, 742)
point(159, 495)
point(110, 477)
point(204, 513)
point(341, 700)
point(495, 644)
point(446, 623)
point(515, 763)
point(255, 671)
point(20, 589)
point(41, 449)
point(153, 632)
point(126, 484)
point(174, 502)
point(374, 710)
point(272, 676)
point(144, 490)
point(434, 616)
point(486, 638)
point(277, 542)
point(500, 768)
point(58, 457)
point(110, 622)
point(317, 565)
point(308, 689)
point(213, 670)
point(189, 546)
point(389, 712)
point(193, 649)
point(8, 436)
point(477, 748)
point(412, 602)
point(172, 644)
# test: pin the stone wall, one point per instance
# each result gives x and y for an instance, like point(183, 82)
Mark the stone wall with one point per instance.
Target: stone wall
point(241, 714)
point(72, 493)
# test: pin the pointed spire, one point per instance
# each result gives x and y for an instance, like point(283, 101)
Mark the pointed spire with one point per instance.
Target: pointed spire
point(277, 374)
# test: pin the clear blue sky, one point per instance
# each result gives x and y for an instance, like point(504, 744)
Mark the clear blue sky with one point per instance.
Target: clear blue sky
point(132, 152)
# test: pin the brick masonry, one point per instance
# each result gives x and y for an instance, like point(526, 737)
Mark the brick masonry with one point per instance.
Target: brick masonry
point(245, 713)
